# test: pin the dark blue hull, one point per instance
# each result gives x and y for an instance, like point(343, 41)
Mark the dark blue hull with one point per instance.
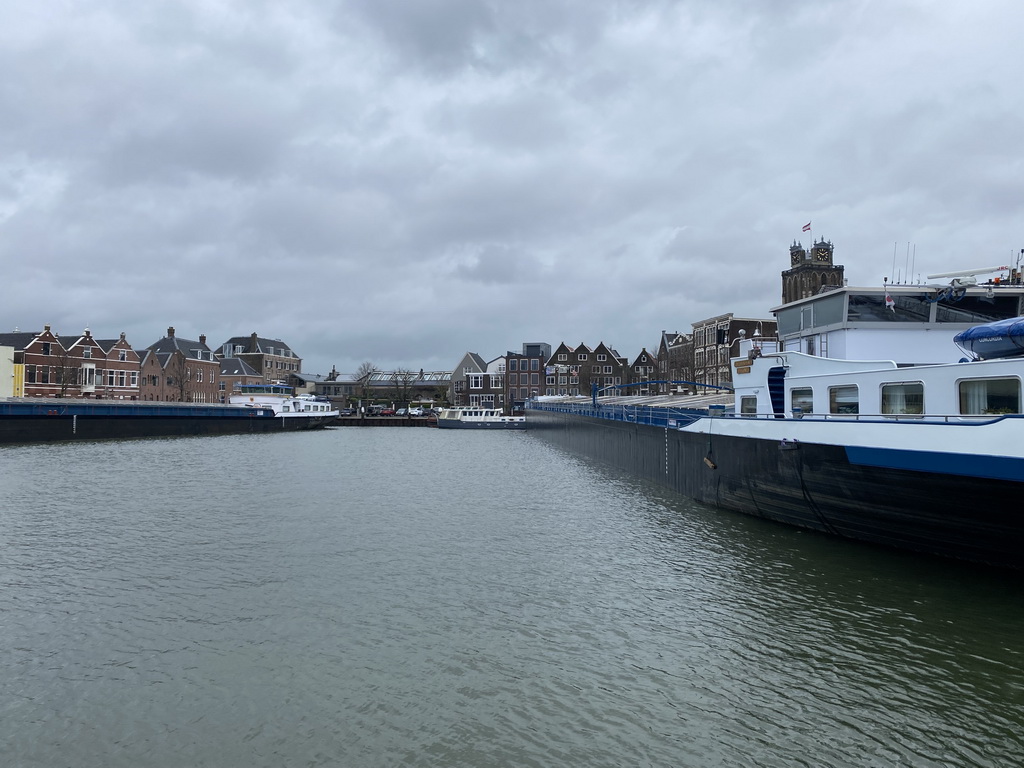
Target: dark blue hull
point(810, 486)
point(60, 420)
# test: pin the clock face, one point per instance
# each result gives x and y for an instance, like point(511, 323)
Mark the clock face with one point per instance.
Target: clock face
point(821, 255)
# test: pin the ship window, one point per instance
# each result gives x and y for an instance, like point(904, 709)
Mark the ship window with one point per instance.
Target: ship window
point(748, 405)
point(802, 398)
point(843, 400)
point(871, 308)
point(903, 398)
point(976, 309)
point(989, 396)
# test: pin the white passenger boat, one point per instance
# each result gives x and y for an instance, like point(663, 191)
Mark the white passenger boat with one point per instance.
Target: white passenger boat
point(478, 418)
point(295, 411)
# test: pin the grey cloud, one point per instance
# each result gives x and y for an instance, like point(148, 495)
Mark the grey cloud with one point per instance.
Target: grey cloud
point(405, 181)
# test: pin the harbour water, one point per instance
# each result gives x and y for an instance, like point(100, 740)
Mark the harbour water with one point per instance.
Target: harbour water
point(382, 597)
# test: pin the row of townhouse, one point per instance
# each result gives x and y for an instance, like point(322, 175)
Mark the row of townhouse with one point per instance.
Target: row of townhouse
point(506, 382)
point(683, 362)
point(44, 365)
point(173, 369)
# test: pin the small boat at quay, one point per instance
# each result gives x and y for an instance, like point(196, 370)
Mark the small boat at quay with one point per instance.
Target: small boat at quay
point(296, 411)
point(922, 451)
point(478, 418)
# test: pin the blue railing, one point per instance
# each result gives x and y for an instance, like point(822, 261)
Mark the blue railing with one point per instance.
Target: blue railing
point(633, 414)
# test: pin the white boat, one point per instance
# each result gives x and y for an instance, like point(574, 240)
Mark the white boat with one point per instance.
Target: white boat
point(295, 411)
point(478, 418)
point(921, 451)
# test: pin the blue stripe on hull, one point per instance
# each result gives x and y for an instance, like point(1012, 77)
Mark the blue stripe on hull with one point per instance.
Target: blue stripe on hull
point(995, 467)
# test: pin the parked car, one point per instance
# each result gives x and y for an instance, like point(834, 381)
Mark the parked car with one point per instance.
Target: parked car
point(416, 411)
point(387, 411)
point(347, 412)
point(401, 412)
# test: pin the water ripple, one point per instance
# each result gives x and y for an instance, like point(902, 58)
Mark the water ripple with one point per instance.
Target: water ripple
point(422, 598)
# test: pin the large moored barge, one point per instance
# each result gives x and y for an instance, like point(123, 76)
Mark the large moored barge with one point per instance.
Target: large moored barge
point(925, 454)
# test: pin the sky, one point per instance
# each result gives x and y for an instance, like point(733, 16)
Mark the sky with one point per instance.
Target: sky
point(404, 181)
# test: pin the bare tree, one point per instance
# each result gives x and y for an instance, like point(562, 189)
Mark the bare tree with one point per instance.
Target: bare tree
point(364, 373)
point(180, 374)
point(441, 396)
point(64, 375)
point(402, 379)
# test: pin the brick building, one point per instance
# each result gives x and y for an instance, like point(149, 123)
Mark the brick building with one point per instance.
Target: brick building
point(272, 358)
point(82, 366)
point(180, 370)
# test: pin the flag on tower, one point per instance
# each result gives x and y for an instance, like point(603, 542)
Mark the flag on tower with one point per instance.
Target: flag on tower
point(807, 227)
point(889, 302)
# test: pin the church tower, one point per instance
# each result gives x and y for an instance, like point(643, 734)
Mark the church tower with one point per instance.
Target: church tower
point(810, 272)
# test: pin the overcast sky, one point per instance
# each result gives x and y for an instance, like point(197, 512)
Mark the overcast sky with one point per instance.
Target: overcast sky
point(402, 181)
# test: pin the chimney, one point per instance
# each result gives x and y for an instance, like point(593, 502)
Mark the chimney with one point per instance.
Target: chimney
point(122, 335)
point(170, 332)
point(202, 338)
point(253, 344)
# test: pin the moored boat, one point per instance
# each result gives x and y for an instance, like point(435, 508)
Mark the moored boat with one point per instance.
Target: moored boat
point(478, 418)
point(59, 419)
point(295, 411)
point(919, 455)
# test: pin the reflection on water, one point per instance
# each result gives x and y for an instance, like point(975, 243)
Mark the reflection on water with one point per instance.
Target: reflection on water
point(421, 597)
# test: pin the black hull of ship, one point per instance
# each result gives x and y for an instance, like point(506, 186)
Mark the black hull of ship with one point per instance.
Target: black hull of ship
point(810, 486)
point(62, 428)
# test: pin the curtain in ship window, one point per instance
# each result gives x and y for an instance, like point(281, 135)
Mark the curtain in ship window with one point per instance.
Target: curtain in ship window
point(903, 398)
point(973, 397)
point(990, 396)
